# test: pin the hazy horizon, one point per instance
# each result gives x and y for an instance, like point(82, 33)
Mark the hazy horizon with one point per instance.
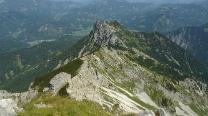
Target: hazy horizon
point(145, 1)
point(166, 1)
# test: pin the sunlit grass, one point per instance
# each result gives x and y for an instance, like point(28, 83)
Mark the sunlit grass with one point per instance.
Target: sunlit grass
point(62, 106)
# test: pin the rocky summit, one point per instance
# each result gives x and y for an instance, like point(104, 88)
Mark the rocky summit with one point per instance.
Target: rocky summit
point(121, 72)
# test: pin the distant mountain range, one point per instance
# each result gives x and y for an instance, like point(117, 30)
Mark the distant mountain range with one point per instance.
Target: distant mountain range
point(26, 22)
point(169, 17)
point(193, 39)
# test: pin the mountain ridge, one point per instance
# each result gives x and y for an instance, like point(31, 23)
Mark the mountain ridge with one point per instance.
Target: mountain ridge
point(123, 73)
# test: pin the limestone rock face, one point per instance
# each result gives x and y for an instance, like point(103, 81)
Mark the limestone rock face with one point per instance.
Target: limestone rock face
point(59, 81)
point(8, 107)
point(103, 34)
point(18, 97)
point(9, 101)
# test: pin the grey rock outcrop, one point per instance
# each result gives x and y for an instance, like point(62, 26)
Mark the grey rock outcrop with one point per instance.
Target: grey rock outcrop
point(58, 82)
point(9, 101)
point(103, 34)
point(8, 107)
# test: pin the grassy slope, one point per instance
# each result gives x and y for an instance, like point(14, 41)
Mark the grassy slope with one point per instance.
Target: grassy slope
point(60, 106)
point(159, 47)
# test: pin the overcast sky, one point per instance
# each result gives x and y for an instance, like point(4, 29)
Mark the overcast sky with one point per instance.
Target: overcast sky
point(166, 1)
point(146, 1)
point(152, 1)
